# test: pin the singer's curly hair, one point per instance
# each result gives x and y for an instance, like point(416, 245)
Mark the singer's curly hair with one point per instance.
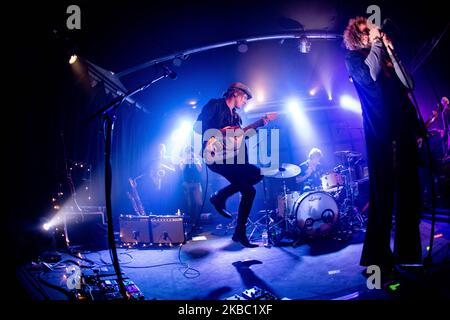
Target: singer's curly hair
point(352, 35)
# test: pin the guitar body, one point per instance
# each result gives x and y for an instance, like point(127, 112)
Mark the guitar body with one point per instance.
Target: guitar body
point(229, 146)
point(226, 148)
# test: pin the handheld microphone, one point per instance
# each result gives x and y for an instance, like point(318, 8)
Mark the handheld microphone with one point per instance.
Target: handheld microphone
point(383, 28)
point(170, 73)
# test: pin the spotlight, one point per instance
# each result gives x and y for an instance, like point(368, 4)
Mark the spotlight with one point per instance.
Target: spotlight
point(298, 116)
point(73, 59)
point(330, 97)
point(243, 47)
point(260, 96)
point(304, 45)
point(250, 106)
point(349, 103)
point(293, 106)
point(313, 92)
point(46, 226)
point(177, 62)
point(182, 133)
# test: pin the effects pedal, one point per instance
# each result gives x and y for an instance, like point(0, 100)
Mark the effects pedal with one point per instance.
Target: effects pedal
point(102, 284)
point(256, 293)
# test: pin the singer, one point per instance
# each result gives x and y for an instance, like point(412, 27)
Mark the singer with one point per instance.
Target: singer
point(391, 128)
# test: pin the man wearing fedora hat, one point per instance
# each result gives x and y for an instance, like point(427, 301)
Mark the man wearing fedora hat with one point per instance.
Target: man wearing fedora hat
point(217, 114)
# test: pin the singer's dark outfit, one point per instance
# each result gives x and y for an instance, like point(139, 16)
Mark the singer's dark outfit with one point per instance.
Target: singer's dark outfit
point(391, 129)
point(216, 114)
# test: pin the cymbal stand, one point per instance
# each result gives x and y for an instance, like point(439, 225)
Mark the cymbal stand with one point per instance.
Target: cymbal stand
point(265, 221)
point(348, 208)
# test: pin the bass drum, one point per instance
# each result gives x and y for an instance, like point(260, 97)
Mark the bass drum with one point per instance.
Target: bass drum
point(315, 213)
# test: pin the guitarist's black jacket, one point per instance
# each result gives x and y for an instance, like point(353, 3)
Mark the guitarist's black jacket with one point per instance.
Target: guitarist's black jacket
point(216, 115)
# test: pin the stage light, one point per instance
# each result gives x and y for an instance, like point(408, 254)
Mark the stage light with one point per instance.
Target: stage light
point(177, 62)
point(249, 107)
point(73, 59)
point(300, 119)
point(313, 92)
point(193, 104)
point(46, 226)
point(182, 132)
point(260, 97)
point(349, 103)
point(242, 47)
point(304, 45)
point(330, 97)
point(293, 106)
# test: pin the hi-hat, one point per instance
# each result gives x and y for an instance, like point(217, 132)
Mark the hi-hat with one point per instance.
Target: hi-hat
point(348, 154)
point(286, 170)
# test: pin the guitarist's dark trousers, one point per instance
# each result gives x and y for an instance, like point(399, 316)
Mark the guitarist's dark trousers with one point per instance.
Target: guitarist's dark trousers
point(242, 178)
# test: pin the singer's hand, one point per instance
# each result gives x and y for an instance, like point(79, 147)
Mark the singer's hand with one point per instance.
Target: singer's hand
point(374, 34)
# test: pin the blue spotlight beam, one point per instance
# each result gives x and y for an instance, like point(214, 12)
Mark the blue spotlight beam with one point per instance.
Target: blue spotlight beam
point(314, 35)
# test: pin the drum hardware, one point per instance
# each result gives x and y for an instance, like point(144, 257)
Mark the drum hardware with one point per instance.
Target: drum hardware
point(350, 215)
point(285, 171)
point(274, 231)
point(231, 225)
point(330, 212)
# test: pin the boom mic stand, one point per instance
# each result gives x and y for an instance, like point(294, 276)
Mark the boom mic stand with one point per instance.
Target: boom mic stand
point(108, 114)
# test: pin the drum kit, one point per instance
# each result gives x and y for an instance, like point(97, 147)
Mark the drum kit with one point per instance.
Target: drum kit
point(328, 209)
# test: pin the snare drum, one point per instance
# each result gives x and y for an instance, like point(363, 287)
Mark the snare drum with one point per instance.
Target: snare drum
point(315, 213)
point(332, 181)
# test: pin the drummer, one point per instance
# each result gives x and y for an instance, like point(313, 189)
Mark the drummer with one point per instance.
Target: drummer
point(309, 177)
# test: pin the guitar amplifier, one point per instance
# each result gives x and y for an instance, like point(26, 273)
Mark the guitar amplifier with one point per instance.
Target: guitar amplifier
point(85, 230)
point(135, 229)
point(167, 229)
point(152, 229)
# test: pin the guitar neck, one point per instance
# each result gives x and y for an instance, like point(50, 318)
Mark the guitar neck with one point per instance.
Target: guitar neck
point(254, 125)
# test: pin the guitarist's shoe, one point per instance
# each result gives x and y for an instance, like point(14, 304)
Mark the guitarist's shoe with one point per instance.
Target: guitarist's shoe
point(243, 240)
point(219, 205)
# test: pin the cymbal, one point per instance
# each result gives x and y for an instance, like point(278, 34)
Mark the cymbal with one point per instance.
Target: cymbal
point(348, 154)
point(286, 170)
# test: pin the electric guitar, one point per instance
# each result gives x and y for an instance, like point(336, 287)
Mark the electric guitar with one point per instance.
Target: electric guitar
point(430, 121)
point(229, 145)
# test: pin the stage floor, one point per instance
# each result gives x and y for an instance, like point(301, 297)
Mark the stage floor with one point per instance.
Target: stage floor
point(219, 268)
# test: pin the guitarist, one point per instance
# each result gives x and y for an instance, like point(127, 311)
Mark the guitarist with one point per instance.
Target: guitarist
point(217, 114)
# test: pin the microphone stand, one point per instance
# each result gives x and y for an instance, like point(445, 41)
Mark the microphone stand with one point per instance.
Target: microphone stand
point(428, 259)
point(108, 114)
